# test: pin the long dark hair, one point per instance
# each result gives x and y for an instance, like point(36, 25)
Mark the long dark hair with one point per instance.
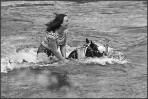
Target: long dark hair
point(56, 23)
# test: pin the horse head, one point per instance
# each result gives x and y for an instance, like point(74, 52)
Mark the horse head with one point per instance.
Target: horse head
point(90, 48)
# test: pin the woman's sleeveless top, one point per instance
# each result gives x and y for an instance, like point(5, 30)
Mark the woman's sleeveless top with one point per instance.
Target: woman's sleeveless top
point(49, 35)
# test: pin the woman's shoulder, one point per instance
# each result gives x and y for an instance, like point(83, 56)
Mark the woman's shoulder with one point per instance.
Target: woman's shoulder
point(65, 32)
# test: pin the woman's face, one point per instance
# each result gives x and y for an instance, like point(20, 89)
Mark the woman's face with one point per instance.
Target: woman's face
point(65, 22)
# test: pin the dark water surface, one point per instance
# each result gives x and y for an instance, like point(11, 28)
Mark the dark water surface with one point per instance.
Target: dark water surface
point(123, 23)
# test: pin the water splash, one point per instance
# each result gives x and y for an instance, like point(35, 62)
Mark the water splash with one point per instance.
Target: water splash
point(103, 61)
point(9, 61)
point(113, 57)
point(29, 55)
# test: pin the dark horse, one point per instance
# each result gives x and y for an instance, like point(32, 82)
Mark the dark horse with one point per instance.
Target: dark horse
point(91, 50)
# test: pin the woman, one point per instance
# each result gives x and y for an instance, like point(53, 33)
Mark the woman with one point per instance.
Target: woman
point(56, 35)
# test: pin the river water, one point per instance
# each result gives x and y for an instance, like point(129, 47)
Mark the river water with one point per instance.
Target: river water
point(123, 23)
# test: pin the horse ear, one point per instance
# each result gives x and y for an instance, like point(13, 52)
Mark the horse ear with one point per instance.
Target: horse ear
point(87, 41)
point(91, 44)
point(91, 41)
point(55, 14)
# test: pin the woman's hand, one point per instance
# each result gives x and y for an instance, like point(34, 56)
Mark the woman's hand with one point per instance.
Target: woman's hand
point(53, 45)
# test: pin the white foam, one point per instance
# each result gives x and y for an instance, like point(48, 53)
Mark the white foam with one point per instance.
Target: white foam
point(4, 65)
point(15, 60)
point(11, 61)
point(104, 60)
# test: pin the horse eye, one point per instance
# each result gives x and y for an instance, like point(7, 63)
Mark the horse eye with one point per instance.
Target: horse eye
point(85, 45)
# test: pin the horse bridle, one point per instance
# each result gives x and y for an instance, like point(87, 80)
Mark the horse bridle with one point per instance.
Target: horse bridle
point(86, 46)
point(91, 49)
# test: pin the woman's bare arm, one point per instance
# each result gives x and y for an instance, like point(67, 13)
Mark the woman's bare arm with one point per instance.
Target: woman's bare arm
point(53, 45)
point(63, 50)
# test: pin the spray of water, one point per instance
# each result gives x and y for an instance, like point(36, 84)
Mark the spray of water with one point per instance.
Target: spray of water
point(29, 55)
point(13, 60)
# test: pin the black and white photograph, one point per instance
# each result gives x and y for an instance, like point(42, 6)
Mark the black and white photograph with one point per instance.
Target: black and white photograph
point(73, 49)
